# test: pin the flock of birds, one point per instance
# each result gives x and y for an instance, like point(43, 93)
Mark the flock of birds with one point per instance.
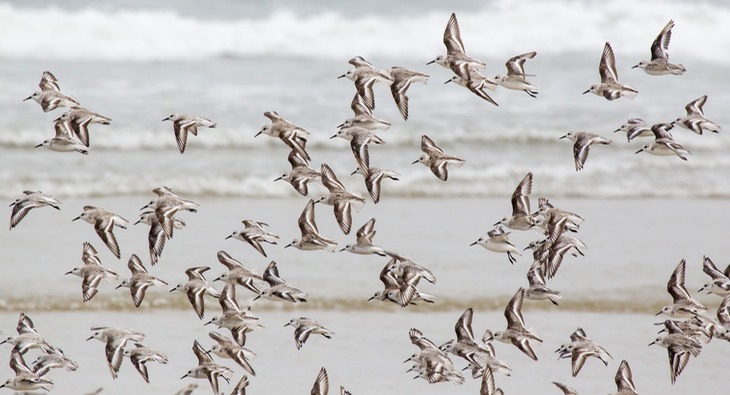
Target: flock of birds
point(687, 329)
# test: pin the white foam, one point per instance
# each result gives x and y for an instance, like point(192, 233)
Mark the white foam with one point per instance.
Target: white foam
point(498, 29)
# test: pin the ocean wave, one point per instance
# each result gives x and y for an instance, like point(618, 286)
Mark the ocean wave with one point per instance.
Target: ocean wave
point(640, 178)
point(628, 303)
point(497, 29)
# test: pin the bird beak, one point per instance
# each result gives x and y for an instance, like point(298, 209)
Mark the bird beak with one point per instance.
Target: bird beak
point(496, 223)
point(340, 125)
point(635, 66)
point(287, 324)
point(586, 91)
point(277, 178)
point(414, 162)
point(75, 218)
point(257, 296)
point(229, 236)
point(257, 134)
point(657, 313)
point(137, 222)
point(654, 342)
point(371, 298)
point(562, 137)
point(186, 375)
point(342, 76)
point(473, 244)
point(288, 245)
point(209, 322)
point(172, 290)
point(39, 145)
point(333, 136)
point(117, 287)
point(166, 119)
point(27, 98)
point(342, 250)
point(90, 337)
point(639, 151)
point(447, 81)
point(617, 130)
point(431, 62)
point(354, 172)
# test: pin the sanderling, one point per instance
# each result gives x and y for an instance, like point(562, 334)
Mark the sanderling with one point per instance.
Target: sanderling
point(373, 177)
point(303, 327)
point(240, 388)
point(92, 272)
point(341, 200)
point(79, 120)
point(624, 380)
point(549, 252)
point(684, 305)
point(300, 173)
point(488, 386)
point(664, 144)
point(582, 142)
point(516, 332)
point(538, 290)
point(365, 75)
point(207, 369)
point(166, 206)
point(140, 355)
point(32, 199)
point(227, 348)
point(104, 222)
point(609, 87)
point(695, 119)
point(63, 140)
point(455, 52)
point(50, 96)
point(184, 123)
point(364, 244)
point(363, 116)
point(433, 364)
point(407, 274)
point(196, 288)
point(516, 78)
point(237, 273)
point(469, 77)
point(521, 218)
point(156, 236)
point(278, 288)
point(480, 355)
point(359, 139)
point(254, 234)
point(292, 135)
point(497, 240)
point(566, 390)
point(115, 340)
point(321, 384)
point(402, 79)
point(720, 284)
point(25, 379)
point(311, 239)
point(435, 159)
point(679, 347)
point(28, 337)
point(54, 360)
point(582, 347)
point(635, 127)
point(140, 280)
point(237, 320)
point(659, 64)
point(546, 212)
